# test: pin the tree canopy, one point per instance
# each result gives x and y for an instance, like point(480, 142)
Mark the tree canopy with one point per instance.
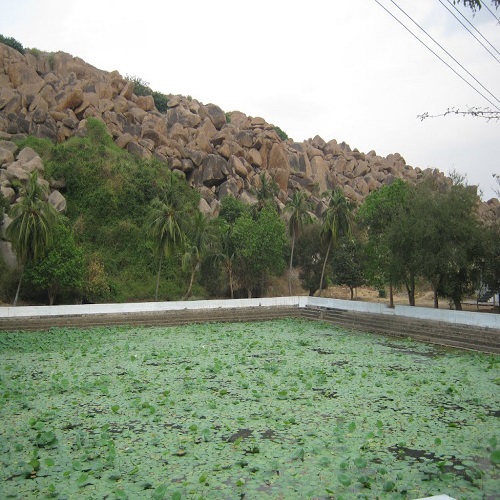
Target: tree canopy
point(61, 269)
point(477, 4)
point(32, 226)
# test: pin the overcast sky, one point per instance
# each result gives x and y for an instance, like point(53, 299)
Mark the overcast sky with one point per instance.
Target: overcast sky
point(340, 69)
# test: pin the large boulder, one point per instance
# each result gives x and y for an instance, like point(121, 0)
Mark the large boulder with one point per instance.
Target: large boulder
point(216, 115)
point(214, 169)
point(57, 200)
point(320, 172)
point(6, 156)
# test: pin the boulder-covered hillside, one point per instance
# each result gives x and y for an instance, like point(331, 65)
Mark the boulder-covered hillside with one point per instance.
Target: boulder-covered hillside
point(52, 95)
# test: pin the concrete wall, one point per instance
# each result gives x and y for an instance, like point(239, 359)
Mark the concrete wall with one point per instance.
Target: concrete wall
point(448, 316)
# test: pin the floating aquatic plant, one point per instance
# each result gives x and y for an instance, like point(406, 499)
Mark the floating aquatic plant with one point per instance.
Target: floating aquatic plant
point(285, 408)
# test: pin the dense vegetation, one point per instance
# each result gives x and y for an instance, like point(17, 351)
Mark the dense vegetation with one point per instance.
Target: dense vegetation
point(133, 231)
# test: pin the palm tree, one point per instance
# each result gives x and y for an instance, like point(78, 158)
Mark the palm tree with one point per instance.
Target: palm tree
point(197, 242)
point(266, 192)
point(299, 207)
point(165, 230)
point(31, 229)
point(337, 222)
point(166, 221)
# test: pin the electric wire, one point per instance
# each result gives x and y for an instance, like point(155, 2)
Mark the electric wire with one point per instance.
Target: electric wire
point(437, 55)
point(491, 12)
point(449, 55)
point(473, 27)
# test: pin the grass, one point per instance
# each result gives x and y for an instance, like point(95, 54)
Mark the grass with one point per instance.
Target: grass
point(281, 409)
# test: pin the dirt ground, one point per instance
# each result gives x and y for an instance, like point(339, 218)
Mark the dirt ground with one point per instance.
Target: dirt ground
point(422, 299)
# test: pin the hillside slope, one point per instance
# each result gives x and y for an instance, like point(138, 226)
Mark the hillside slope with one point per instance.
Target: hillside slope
point(52, 95)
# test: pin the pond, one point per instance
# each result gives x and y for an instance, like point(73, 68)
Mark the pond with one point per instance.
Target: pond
point(279, 409)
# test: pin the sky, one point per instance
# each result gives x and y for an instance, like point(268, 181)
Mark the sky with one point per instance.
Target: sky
point(340, 69)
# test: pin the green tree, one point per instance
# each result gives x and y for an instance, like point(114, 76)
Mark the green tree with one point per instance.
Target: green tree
point(232, 209)
point(197, 241)
point(378, 213)
point(224, 248)
point(299, 207)
point(32, 226)
point(96, 286)
point(223, 252)
point(491, 270)
point(337, 222)
point(450, 238)
point(266, 192)
point(348, 264)
point(61, 268)
point(166, 231)
point(310, 248)
point(259, 248)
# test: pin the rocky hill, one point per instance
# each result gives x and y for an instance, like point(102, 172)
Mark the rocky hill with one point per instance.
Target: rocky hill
point(52, 95)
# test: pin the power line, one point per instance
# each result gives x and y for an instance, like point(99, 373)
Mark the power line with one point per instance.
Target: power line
point(439, 57)
point(491, 12)
point(475, 29)
point(444, 50)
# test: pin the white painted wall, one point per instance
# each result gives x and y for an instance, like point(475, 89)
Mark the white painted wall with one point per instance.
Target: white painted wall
point(425, 313)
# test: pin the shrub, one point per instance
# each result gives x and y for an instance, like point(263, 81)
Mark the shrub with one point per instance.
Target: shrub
point(43, 146)
point(282, 135)
point(35, 52)
point(142, 89)
point(161, 101)
point(12, 42)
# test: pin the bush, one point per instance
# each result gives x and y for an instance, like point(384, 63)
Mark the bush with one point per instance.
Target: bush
point(43, 147)
point(161, 101)
point(35, 52)
point(282, 135)
point(12, 42)
point(142, 89)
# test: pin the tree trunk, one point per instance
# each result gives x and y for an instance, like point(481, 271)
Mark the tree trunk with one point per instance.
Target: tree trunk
point(323, 270)
point(410, 288)
point(52, 297)
point(16, 298)
point(158, 277)
point(190, 287)
point(436, 301)
point(352, 292)
point(291, 266)
point(391, 295)
point(458, 305)
point(230, 273)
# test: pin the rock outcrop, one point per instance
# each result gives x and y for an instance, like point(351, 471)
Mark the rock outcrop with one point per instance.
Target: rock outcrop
point(220, 154)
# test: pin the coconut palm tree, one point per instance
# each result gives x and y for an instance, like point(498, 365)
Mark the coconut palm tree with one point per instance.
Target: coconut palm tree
point(299, 207)
point(197, 243)
point(32, 226)
point(166, 232)
point(166, 221)
point(266, 192)
point(337, 222)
